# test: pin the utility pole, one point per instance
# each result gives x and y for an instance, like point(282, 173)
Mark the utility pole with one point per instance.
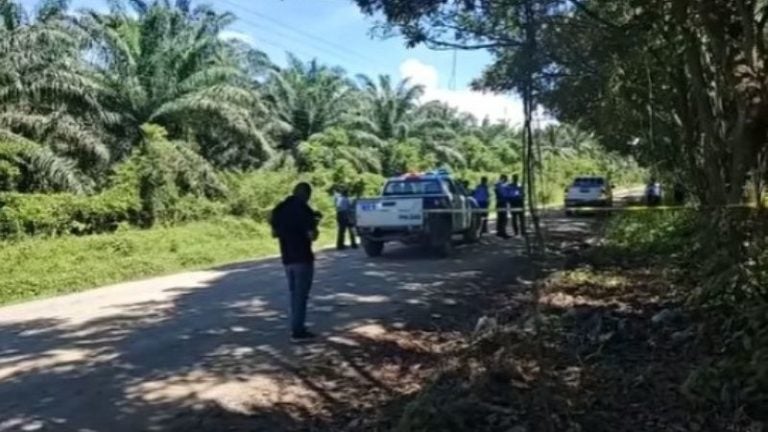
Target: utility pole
point(452, 80)
point(529, 106)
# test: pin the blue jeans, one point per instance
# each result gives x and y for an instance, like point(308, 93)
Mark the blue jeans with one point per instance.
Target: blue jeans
point(299, 283)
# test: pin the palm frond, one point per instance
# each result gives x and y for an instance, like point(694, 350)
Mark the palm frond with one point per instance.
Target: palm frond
point(364, 139)
point(43, 170)
point(51, 9)
point(60, 131)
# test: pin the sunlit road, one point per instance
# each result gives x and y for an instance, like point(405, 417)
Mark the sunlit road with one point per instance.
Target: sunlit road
point(129, 357)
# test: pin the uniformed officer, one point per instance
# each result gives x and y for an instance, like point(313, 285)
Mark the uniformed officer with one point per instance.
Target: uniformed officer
point(653, 193)
point(482, 195)
point(679, 192)
point(516, 198)
point(500, 190)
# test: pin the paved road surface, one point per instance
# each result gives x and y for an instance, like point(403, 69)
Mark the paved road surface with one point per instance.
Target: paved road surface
point(126, 357)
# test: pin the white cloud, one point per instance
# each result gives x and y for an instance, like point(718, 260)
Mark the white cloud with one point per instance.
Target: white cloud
point(236, 35)
point(481, 105)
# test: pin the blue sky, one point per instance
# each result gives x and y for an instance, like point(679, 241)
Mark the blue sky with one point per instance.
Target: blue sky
point(337, 33)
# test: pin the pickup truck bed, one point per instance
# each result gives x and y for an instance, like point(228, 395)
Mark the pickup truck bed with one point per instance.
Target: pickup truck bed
point(390, 212)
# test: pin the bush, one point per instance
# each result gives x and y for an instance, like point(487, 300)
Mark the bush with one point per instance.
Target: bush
point(57, 214)
point(36, 214)
point(254, 194)
point(650, 231)
point(724, 259)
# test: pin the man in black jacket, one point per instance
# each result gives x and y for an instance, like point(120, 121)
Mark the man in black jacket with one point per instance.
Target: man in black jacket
point(294, 223)
point(502, 206)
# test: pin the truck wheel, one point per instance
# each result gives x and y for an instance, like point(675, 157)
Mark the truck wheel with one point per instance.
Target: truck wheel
point(373, 248)
point(440, 234)
point(472, 235)
point(444, 249)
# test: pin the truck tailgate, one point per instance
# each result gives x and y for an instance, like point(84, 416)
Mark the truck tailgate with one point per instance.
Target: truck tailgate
point(389, 212)
point(583, 193)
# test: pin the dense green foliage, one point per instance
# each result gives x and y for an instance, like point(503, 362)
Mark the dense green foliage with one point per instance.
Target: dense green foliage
point(145, 115)
point(680, 85)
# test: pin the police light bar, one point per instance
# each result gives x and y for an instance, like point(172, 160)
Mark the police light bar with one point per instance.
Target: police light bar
point(440, 172)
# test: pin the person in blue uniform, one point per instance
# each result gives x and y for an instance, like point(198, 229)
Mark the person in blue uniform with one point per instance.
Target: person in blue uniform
point(516, 198)
point(653, 193)
point(502, 210)
point(482, 195)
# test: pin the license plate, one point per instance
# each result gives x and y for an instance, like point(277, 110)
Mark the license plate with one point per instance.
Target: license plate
point(410, 217)
point(584, 190)
point(367, 207)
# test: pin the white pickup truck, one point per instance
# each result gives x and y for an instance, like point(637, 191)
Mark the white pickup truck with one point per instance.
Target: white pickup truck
point(427, 209)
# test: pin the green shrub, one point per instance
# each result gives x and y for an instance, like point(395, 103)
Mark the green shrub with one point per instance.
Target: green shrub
point(650, 231)
point(58, 214)
point(254, 194)
point(36, 214)
point(9, 175)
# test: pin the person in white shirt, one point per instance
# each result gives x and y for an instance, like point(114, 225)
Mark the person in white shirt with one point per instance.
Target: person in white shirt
point(345, 214)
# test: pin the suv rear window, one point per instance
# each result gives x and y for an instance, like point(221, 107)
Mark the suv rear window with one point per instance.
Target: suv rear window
point(589, 181)
point(413, 187)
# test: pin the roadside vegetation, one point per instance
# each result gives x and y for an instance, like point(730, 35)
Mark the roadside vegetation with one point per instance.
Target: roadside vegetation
point(651, 326)
point(662, 324)
point(143, 117)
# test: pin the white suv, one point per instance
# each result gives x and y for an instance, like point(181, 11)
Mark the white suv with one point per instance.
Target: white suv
point(588, 191)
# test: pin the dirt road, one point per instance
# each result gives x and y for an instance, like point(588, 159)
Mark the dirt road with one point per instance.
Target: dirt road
point(136, 356)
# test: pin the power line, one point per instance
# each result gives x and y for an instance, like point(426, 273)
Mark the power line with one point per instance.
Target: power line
point(320, 52)
point(304, 44)
point(338, 48)
point(452, 81)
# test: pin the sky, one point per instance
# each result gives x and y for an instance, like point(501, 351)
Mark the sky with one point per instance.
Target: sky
point(337, 33)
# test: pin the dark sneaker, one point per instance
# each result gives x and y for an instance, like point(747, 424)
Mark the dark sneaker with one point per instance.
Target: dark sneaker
point(303, 336)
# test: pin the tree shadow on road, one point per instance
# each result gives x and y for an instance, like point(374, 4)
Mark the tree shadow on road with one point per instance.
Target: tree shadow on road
point(215, 356)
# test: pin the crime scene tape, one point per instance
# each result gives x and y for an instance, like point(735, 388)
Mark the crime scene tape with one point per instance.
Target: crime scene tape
point(618, 209)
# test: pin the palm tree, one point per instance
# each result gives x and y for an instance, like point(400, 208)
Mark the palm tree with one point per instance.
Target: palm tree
point(305, 99)
point(387, 110)
point(49, 111)
point(169, 67)
point(391, 113)
point(332, 146)
point(567, 141)
point(447, 117)
point(438, 126)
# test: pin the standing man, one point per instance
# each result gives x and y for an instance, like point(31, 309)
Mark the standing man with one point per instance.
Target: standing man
point(679, 192)
point(344, 220)
point(516, 197)
point(294, 223)
point(653, 193)
point(501, 207)
point(482, 195)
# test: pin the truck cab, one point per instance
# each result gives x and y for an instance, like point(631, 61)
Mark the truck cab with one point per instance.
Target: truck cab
point(420, 208)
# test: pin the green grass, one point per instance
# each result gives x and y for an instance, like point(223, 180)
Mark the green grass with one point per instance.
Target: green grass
point(650, 231)
point(42, 267)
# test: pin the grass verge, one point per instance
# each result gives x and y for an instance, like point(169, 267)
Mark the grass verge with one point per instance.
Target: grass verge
point(44, 267)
